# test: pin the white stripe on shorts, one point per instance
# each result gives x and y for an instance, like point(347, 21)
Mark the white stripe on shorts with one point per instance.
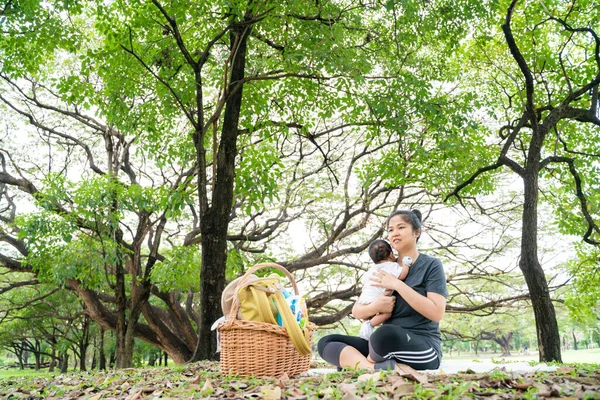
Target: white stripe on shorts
point(419, 357)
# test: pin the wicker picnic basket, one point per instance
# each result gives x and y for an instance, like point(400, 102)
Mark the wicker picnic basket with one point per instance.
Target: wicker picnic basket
point(259, 348)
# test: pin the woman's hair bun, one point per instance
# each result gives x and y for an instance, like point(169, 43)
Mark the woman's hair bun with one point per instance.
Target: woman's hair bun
point(418, 214)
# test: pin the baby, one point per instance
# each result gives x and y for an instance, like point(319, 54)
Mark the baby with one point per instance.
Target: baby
point(381, 254)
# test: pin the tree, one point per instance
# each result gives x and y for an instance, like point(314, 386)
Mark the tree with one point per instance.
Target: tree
point(43, 321)
point(552, 103)
point(155, 119)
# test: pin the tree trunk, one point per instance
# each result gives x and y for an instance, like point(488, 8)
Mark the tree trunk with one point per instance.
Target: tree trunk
point(53, 357)
point(505, 346)
point(545, 317)
point(215, 220)
point(18, 350)
point(24, 353)
point(166, 358)
point(574, 340)
point(84, 343)
point(498, 338)
point(151, 359)
point(112, 359)
point(64, 363)
point(37, 354)
point(123, 347)
point(101, 355)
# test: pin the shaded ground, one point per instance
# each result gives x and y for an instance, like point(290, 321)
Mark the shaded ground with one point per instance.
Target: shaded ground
point(203, 380)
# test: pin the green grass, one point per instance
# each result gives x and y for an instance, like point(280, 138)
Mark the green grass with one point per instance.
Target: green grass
point(590, 356)
point(9, 373)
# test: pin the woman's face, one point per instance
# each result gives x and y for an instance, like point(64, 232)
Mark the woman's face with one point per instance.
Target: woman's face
point(401, 235)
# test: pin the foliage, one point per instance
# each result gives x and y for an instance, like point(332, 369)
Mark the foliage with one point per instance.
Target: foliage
point(348, 111)
point(583, 298)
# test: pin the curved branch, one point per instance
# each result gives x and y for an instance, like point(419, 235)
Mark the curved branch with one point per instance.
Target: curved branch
point(516, 53)
point(585, 30)
point(469, 181)
point(329, 319)
point(131, 51)
point(592, 226)
point(34, 122)
point(14, 285)
point(323, 298)
point(490, 304)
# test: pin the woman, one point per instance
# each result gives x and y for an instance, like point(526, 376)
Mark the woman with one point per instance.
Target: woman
point(411, 335)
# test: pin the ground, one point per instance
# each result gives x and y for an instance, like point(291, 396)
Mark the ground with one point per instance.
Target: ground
point(204, 380)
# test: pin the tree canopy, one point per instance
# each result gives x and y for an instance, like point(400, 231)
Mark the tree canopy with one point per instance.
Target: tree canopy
point(154, 151)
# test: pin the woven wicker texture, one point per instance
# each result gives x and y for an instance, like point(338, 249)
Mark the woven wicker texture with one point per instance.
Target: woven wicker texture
point(258, 348)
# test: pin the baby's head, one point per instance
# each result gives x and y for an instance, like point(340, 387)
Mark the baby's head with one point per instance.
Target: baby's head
point(380, 251)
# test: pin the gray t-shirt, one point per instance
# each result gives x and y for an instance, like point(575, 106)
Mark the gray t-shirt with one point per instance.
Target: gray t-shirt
point(425, 275)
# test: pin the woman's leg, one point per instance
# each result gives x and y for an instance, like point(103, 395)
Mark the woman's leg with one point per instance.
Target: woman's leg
point(345, 351)
point(391, 342)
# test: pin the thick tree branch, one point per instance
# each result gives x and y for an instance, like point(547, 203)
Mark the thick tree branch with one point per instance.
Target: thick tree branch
point(321, 299)
point(14, 285)
point(329, 319)
point(516, 53)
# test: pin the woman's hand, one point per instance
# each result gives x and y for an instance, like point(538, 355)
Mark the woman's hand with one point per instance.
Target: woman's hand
point(385, 280)
point(384, 303)
point(431, 306)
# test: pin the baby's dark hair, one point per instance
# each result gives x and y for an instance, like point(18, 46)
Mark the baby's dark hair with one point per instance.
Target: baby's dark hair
point(413, 217)
point(379, 250)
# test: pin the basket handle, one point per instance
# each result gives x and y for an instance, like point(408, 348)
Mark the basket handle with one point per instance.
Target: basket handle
point(235, 306)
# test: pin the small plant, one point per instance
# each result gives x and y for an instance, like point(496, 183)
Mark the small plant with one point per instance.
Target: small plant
point(424, 393)
point(530, 394)
point(454, 390)
point(498, 374)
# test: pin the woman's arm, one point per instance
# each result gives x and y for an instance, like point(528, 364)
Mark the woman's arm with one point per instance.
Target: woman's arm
point(383, 304)
point(432, 307)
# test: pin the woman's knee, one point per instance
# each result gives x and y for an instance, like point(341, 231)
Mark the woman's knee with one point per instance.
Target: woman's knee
point(384, 334)
point(322, 343)
point(325, 340)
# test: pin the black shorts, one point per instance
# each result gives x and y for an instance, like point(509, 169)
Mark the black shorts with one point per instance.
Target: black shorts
point(387, 342)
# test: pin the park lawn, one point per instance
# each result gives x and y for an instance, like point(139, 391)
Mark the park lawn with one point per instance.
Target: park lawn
point(8, 373)
point(203, 380)
point(590, 356)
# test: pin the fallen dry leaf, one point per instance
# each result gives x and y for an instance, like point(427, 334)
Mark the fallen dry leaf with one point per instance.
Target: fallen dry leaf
point(348, 387)
point(282, 381)
point(271, 393)
point(137, 395)
point(376, 377)
point(328, 391)
point(350, 396)
point(403, 388)
point(409, 372)
point(207, 386)
point(565, 370)
point(150, 389)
